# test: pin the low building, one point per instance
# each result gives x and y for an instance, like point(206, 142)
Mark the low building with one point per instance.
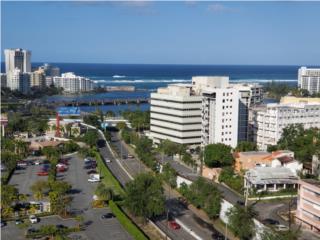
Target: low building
point(36, 146)
point(271, 179)
point(308, 205)
point(268, 121)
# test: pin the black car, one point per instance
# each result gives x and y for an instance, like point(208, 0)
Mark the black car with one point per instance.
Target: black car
point(270, 221)
point(60, 226)
point(241, 203)
point(101, 143)
point(107, 216)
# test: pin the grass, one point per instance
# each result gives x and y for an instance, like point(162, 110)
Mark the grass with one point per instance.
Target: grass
point(108, 179)
point(132, 229)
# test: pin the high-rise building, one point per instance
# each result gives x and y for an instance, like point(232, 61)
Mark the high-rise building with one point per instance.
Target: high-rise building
point(17, 58)
point(50, 71)
point(309, 79)
point(38, 79)
point(18, 80)
point(220, 116)
point(72, 83)
point(268, 121)
point(3, 80)
point(175, 114)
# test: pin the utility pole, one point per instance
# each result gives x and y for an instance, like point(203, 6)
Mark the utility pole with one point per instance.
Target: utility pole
point(246, 191)
point(225, 236)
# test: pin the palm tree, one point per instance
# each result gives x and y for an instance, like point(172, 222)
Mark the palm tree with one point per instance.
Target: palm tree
point(104, 193)
point(75, 131)
point(68, 129)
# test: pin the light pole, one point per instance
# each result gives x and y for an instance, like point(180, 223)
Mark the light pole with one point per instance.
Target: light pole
point(226, 234)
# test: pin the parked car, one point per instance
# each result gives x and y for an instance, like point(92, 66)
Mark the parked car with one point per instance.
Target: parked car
point(92, 172)
point(280, 227)
point(241, 203)
point(107, 216)
point(42, 173)
point(31, 230)
point(94, 178)
point(61, 169)
point(18, 221)
point(22, 164)
point(61, 165)
point(174, 225)
point(270, 221)
point(37, 162)
point(33, 219)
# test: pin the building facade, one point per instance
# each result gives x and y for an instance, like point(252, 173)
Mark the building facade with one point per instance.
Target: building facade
point(17, 58)
point(3, 80)
point(309, 79)
point(72, 83)
point(38, 79)
point(268, 121)
point(49, 70)
point(175, 114)
point(18, 80)
point(308, 204)
point(220, 114)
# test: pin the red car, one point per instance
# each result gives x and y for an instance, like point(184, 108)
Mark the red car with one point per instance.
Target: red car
point(42, 173)
point(61, 169)
point(174, 225)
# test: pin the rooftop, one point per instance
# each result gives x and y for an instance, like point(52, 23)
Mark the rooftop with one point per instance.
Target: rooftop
point(271, 175)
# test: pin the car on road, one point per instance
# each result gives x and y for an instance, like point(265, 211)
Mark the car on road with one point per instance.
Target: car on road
point(3, 223)
point(107, 216)
point(241, 203)
point(130, 156)
point(108, 160)
point(174, 225)
point(269, 221)
point(280, 228)
point(33, 219)
point(42, 173)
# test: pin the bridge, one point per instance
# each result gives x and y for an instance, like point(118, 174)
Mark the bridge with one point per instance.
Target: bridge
point(93, 102)
point(112, 122)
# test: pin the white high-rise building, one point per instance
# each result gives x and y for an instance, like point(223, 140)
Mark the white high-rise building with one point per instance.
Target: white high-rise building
point(175, 114)
point(220, 116)
point(72, 83)
point(19, 81)
point(309, 79)
point(268, 121)
point(17, 58)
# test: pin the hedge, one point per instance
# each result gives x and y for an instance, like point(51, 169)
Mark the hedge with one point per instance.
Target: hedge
point(131, 228)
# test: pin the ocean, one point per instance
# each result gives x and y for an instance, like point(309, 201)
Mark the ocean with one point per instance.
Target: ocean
point(146, 78)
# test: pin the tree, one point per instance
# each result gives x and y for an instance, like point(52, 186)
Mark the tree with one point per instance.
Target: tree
point(187, 159)
point(91, 120)
point(110, 114)
point(241, 216)
point(104, 193)
point(245, 146)
point(168, 147)
point(91, 138)
point(121, 125)
point(218, 155)
point(39, 188)
point(169, 175)
point(145, 196)
point(68, 129)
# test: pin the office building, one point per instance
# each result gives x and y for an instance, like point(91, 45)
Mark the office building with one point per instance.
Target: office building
point(309, 79)
point(268, 121)
point(220, 116)
point(18, 80)
point(3, 80)
point(17, 58)
point(308, 204)
point(175, 114)
point(72, 83)
point(38, 79)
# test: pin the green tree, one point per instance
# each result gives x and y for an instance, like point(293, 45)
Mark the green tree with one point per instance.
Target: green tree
point(104, 193)
point(145, 196)
point(121, 125)
point(241, 216)
point(218, 155)
point(110, 114)
point(169, 175)
point(39, 189)
point(168, 147)
point(245, 146)
point(92, 120)
point(90, 138)
point(187, 159)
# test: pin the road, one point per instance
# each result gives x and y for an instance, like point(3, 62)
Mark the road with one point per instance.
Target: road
point(177, 210)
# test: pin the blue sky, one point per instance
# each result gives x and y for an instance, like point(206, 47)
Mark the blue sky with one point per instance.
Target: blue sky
point(276, 33)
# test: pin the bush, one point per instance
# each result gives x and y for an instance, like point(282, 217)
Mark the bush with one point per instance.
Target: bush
point(132, 229)
point(233, 180)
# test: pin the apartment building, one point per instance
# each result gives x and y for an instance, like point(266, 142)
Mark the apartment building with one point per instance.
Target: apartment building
point(38, 79)
point(17, 58)
point(309, 79)
point(18, 80)
point(308, 204)
point(72, 83)
point(268, 121)
point(220, 116)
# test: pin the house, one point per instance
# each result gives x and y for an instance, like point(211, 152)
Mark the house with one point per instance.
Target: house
point(270, 179)
point(308, 204)
point(36, 146)
point(249, 160)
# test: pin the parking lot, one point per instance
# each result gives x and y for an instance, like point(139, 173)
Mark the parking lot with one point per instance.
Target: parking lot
point(24, 177)
point(82, 193)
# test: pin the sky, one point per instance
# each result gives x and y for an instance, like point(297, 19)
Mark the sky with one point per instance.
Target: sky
point(185, 32)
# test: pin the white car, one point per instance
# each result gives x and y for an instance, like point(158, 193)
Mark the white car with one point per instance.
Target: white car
point(281, 227)
point(93, 180)
point(37, 162)
point(108, 160)
point(33, 219)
